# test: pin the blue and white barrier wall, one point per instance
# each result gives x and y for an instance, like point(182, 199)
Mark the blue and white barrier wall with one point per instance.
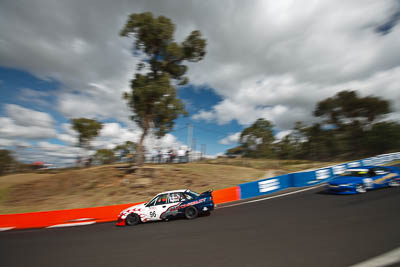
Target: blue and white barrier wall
point(308, 178)
point(313, 177)
point(264, 186)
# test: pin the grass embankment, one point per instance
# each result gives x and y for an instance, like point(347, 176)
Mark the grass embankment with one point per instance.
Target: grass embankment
point(109, 185)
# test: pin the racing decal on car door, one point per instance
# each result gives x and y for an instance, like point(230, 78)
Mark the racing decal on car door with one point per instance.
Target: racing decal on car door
point(384, 178)
point(163, 204)
point(149, 214)
point(171, 211)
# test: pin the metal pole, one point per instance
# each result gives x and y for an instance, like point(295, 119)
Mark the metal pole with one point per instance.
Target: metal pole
point(190, 135)
point(194, 148)
point(203, 150)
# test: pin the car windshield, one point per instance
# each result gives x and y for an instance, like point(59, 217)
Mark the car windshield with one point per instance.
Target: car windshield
point(152, 202)
point(193, 193)
point(356, 173)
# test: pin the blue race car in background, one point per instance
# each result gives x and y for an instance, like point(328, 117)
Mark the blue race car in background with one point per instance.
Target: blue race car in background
point(359, 180)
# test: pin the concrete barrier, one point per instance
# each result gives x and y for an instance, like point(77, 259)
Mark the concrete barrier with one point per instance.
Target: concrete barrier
point(264, 186)
point(226, 195)
point(57, 217)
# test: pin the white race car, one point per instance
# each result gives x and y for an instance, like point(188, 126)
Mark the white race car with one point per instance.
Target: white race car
point(167, 205)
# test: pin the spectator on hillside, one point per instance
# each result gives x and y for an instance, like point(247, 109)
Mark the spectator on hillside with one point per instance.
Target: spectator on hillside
point(153, 156)
point(181, 155)
point(165, 156)
point(187, 155)
point(159, 156)
point(172, 156)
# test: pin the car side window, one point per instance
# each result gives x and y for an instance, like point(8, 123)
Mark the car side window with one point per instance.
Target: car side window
point(188, 196)
point(162, 199)
point(380, 171)
point(175, 197)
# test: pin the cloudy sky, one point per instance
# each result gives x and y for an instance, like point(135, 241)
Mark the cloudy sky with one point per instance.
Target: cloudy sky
point(265, 59)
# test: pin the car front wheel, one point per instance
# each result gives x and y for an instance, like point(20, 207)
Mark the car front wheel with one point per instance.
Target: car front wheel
point(360, 188)
point(132, 219)
point(191, 212)
point(394, 183)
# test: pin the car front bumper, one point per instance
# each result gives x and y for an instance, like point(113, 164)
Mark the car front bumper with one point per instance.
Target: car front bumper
point(341, 190)
point(120, 222)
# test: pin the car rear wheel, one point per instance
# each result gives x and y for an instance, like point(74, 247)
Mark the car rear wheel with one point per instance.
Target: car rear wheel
point(191, 212)
point(132, 219)
point(360, 188)
point(394, 183)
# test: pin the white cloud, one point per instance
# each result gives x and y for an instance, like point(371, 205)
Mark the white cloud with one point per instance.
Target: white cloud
point(112, 130)
point(97, 102)
point(204, 115)
point(68, 139)
point(26, 123)
point(76, 44)
point(295, 55)
point(13, 142)
point(28, 117)
point(167, 142)
point(35, 97)
point(12, 130)
point(230, 139)
point(265, 59)
point(67, 128)
point(284, 100)
point(113, 134)
point(282, 134)
point(282, 116)
point(57, 154)
point(63, 150)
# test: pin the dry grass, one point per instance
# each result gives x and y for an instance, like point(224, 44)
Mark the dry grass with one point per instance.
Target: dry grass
point(108, 185)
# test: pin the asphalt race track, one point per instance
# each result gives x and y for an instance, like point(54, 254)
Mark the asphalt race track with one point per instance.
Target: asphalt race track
point(304, 229)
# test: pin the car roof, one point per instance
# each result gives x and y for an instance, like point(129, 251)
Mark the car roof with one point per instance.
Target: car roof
point(358, 170)
point(173, 191)
point(364, 168)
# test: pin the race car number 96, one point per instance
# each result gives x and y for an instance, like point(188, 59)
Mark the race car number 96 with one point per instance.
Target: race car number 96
point(152, 214)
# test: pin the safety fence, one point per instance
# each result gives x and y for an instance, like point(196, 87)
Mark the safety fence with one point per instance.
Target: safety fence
point(84, 216)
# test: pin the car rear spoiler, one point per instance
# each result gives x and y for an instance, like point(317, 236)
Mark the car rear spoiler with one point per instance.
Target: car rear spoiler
point(206, 193)
point(394, 169)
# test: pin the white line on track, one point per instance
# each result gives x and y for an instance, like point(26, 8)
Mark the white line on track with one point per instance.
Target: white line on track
point(267, 198)
point(70, 224)
point(386, 259)
point(6, 228)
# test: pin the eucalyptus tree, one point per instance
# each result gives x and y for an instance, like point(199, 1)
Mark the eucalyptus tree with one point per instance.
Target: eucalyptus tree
point(153, 98)
point(257, 140)
point(87, 130)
